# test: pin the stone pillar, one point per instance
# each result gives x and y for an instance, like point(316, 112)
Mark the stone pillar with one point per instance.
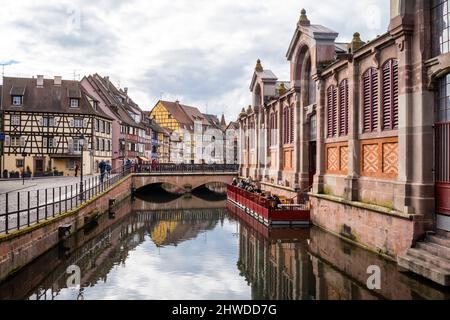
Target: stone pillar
point(279, 110)
point(302, 144)
point(318, 185)
point(354, 150)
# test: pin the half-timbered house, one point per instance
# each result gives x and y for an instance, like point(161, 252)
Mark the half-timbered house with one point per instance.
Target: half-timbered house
point(45, 121)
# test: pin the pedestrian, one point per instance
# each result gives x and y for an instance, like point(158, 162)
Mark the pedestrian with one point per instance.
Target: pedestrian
point(77, 167)
point(102, 166)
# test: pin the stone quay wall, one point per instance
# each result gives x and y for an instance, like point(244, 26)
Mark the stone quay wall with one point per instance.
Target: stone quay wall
point(19, 248)
point(377, 229)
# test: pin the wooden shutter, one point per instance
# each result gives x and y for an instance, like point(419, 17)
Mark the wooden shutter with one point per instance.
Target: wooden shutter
point(390, 95)
point(343, 108)
point(370, 100)
point(331, 112)
point(22, 141)
point(292, 125)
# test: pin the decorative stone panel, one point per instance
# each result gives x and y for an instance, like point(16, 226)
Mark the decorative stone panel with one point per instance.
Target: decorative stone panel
point(337, 158)
point(379, 158)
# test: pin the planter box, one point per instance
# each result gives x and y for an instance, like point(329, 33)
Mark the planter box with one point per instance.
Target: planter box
point(14, 175)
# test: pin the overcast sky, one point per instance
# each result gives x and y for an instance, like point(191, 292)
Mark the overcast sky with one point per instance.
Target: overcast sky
point(201, 52)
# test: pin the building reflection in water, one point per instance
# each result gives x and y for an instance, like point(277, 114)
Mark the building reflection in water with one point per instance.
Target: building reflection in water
point(261, 263)
point(305, 264)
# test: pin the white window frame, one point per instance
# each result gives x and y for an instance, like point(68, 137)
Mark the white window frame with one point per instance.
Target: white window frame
point(78, 122)
point(14, 101)
point(73, 104)
point(15, 120)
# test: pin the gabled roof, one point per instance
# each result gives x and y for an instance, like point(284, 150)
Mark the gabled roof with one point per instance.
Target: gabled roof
point(213, 121)
point(314, 31)
point(116, 100)
point(49, 98)
point(177, 112)
point(195, 115)
point(265, 76)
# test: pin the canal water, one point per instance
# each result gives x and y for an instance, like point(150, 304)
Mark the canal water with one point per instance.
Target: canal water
point(166, 246)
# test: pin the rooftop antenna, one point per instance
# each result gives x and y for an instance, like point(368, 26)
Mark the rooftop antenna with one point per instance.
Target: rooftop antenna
point(75, 75)
point(7, 63)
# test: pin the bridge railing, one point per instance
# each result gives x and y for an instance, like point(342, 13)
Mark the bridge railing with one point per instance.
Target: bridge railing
point(186, 168)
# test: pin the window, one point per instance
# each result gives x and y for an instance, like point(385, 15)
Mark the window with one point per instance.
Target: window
point(332, 112)
point(97, 144)
point(288, 122)
point(48, 142)
point(15, 120)
point(390, 95)
point(443, 100)
point(19, 163)
point(48, 121)
point(15, 141)
point(16, 100)
point(74, 103)
point(78, 122)
point(108, 127)
point(96, 125)
point(102, 126)
point(77, 145)
point(343, 108)
point(440, 26)
point(370, 100)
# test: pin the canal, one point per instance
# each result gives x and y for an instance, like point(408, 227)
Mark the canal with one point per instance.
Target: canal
point(168, 246)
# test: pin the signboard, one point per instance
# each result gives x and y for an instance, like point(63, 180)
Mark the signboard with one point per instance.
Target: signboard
point(2, 136)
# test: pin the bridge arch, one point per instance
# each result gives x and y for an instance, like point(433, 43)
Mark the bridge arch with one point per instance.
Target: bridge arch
point(187, 181)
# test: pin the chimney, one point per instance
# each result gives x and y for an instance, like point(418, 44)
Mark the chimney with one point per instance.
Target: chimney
point(57, 81)
point(40, 81)
point(125, 90)
point(177, 101)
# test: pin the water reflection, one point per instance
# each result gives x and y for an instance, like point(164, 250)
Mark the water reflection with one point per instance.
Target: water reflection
point(191, 248)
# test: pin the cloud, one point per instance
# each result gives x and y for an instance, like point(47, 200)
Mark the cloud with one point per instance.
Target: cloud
point(201, 52)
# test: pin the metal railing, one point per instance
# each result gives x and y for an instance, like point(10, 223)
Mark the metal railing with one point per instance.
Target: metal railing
point(186, 168)
point(22, 209)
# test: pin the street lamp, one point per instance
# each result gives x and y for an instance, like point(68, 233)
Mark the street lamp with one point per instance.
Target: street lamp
point(24, 154)
point(81, 144)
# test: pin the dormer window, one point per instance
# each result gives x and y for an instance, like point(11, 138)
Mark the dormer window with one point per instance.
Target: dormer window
point(74, 103)
point(17, 101)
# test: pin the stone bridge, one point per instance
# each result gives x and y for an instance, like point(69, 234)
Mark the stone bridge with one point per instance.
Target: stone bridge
point(184, 176)
point(187, 181)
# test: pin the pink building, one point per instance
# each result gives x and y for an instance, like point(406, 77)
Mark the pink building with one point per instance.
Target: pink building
point(366, 128)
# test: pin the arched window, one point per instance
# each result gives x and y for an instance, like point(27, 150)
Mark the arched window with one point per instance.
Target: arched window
point(343, 108)
point(273, 131)
point(390, 95)
point(286, 122)
point(331, 112)
point(440, 26)
point(370, 100)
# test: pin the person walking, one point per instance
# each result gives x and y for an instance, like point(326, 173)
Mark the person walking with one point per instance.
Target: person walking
point(102, 166)
point(77, 167)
